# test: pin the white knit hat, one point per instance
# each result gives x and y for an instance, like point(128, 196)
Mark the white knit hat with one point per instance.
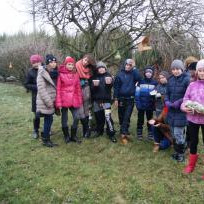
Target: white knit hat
point(200, 64)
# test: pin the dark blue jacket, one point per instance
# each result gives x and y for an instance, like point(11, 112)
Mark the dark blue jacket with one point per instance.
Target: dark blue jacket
point(176, 88)
point(144, 101)
point(124, 85)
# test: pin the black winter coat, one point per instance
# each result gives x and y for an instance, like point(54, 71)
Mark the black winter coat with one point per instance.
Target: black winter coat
point(103, 91)
point(176, 88)
point(31, 85)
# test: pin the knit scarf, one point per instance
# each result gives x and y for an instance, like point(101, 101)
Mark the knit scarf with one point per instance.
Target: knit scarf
point(84, 73)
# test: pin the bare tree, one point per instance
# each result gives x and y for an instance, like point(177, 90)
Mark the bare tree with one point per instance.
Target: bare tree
point(93, 18)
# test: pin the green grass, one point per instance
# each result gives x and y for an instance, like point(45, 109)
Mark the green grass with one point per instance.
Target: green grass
point(97, 171)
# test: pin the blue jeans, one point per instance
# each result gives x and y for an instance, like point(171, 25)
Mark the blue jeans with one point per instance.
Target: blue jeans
point(125, 108)
point(178, 133)
point(48, 119)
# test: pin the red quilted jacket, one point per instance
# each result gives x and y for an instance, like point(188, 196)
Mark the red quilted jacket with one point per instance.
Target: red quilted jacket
point(69, 92)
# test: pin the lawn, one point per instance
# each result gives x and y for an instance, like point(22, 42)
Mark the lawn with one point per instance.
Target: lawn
point(96, 171)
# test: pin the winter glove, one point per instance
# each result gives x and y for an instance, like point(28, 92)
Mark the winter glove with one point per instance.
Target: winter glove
point(158, 95)
point(168, 104)
point(57, 112)
point(177, 104)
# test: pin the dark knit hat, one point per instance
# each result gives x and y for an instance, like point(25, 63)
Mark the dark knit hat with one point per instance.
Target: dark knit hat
point(192, 66)
point(50, 58)
point(101, 64)
point(165, 74)
point(177, 64)
point(149, 68)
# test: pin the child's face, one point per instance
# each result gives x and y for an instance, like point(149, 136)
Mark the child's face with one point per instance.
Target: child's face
point(162, 79)
point(70, 66)
point(148, 75)
point(176, 71)
point(200, 73)
point(36, 65)
point(128, 67)
point(102, 70)
point(52, 65)
point(85, 61)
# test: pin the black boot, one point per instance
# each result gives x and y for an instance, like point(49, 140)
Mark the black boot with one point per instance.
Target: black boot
point(74, 138)
point(112, 137)
point(181, 152)
point(47, 142)
point(65, 131)
point(86, 130)
point(174, 156)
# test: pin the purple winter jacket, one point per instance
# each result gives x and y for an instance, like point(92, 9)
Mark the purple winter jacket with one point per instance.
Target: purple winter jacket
point(195, 92)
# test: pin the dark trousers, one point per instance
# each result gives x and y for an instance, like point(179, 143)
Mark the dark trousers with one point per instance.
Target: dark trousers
point(48, 119)
point(64, 118)
point(193, 131)
point(140, 119)
point(157, 134)
point(159, 138)
point(125, 108)
point(36, 122)
point(188, 136)
point(102, 118)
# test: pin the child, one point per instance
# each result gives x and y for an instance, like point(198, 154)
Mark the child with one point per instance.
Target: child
point(85, 68)
point(191, 70)
point(31, 85)
point(124, 91)
point(101, 85)
point(51, 60)
point(176, 87)
point(69, 95)
point(145, 102)
point(161, 131)
point(46, 97)
point(194, 93)
point(161, 91)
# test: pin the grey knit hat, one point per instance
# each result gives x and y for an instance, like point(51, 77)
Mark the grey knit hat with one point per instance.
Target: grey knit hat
point(101, 64)
point(177, 64)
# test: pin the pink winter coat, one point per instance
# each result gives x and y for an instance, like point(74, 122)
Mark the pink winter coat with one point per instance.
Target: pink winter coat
point(194, 92)
point(69, 92)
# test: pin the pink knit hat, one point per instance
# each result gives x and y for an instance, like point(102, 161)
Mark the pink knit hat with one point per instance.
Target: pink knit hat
point(35, 59)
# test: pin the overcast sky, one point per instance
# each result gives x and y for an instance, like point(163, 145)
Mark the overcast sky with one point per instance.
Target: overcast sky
point(13, 17)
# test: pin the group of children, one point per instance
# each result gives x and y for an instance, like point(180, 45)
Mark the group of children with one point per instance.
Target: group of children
point(86, 85)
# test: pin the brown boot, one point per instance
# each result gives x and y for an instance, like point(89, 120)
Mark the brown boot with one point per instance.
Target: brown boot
point(156, 147)
point(124, 139)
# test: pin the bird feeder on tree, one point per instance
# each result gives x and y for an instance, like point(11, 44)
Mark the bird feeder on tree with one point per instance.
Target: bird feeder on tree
point(10, 65)
point(117, 56)
point(144, 44)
